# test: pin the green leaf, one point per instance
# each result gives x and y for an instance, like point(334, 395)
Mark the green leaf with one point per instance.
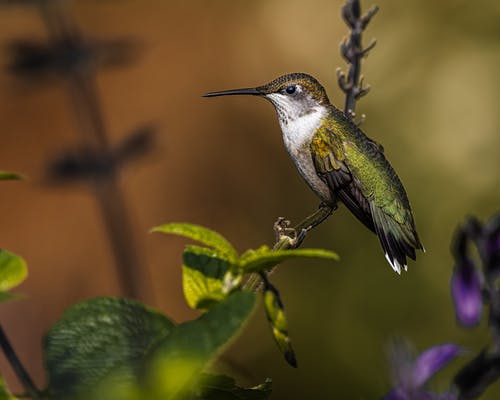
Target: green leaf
point(264, 258)
point(221, 387)
point(180, 358)
point(12, 270)
point(201, 234)
point(4, 391)
point(6, 296)
point(9, 176)
point(275, 312)
point(99, 338)
point(202, 274)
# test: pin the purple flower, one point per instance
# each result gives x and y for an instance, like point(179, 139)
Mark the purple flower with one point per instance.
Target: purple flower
point(411, 374)
point(466, 293)
point(466, 281)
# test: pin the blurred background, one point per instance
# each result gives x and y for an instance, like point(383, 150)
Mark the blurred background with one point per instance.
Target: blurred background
point(221, 163)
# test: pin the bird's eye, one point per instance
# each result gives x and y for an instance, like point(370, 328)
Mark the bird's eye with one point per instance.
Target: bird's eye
point(291, 89)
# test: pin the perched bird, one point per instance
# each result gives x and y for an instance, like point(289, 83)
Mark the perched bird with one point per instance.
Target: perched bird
point(340, 163)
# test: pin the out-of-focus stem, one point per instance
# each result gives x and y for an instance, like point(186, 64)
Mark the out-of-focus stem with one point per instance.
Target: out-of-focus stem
point(107, 189)
point(134, 280)
point(17, 366)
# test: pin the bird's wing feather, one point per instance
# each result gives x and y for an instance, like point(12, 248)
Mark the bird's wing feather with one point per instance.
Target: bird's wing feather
point(388, 216)
point(329, 161)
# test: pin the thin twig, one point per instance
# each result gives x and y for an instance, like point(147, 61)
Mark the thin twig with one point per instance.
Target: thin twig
point(18, 367)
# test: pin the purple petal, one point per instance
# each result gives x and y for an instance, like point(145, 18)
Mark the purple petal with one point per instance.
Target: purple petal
point(466, 293)
point(397, 394)
point(431, 361)
point(401, 394)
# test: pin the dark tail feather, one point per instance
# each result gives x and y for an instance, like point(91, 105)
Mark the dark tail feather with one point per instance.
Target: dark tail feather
point(397, 242)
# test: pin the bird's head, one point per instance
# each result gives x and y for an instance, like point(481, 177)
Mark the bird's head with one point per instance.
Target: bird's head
point(293, 95)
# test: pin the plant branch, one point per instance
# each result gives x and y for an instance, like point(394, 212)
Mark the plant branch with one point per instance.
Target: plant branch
point(18, 367)
point(353, 52)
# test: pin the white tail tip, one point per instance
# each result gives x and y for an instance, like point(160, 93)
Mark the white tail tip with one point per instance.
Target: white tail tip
point(396, 266)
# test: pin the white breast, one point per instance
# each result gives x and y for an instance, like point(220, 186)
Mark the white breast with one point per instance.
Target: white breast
point(297, 135)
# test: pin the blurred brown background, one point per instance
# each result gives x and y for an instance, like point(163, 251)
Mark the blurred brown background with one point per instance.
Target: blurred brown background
point(221, 163)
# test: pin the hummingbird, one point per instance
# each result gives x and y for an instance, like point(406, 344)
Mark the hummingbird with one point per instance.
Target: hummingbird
point(340, 163)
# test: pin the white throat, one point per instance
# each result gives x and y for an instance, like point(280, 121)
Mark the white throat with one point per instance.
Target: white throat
point(298, 119)
point(298, 132)
point(298, 127)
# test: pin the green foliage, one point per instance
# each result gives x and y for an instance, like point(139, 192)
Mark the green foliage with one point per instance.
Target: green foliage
point(264, 258)
point(97, 337)
point(4, 392)
point(13, 271)
point(275, 312)
point(179, 360)
point(211, 274)
point(220, 387)
point(203, 235)
point(9, 176)
point(117, 349)
point(203, 272)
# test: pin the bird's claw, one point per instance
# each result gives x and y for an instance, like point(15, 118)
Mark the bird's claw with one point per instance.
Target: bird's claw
point(283, 229)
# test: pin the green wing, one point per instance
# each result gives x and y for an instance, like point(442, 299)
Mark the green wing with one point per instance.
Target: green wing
point(331, 166)
point(357, 173)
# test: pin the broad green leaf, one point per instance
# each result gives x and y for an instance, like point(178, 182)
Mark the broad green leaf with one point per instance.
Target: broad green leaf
point(202, 274)
point(221, 387)
point(9, 176)
point(179, 360)
point(4, 391)
point(264, 258)
point(99, 338)
point(12, 270)
point(119, 384)
point(201, 234)
point(275, 312)
point(7, 296)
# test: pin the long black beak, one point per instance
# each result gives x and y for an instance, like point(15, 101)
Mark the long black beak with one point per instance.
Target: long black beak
point(248, 91)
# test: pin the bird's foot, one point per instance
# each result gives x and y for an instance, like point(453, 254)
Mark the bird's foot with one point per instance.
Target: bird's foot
point(284, 231)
